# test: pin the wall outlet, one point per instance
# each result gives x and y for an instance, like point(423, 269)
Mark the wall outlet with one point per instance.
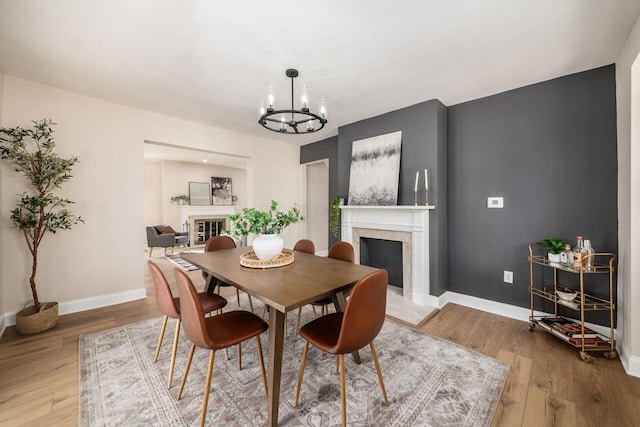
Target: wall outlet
point(508, 276)
point(495, 202)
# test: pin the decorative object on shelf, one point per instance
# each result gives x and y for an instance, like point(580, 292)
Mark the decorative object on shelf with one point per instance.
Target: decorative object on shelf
point(554, 247)
point(289, 121)
point(267, 225)
point(565, 293)
point(251, 260)
point(426, 188)
point(221, 194)
point(180, 198)
point(30, 152)
point(375, 168)
point(334, 215)
point(199, 194)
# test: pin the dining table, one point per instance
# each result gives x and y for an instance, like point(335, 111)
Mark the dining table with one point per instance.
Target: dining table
point(283, 289)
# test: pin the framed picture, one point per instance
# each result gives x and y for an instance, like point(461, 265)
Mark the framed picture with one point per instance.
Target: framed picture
point(221, 194)
point(375, 170)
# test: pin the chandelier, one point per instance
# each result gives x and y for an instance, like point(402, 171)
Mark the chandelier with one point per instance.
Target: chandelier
point(292, 121)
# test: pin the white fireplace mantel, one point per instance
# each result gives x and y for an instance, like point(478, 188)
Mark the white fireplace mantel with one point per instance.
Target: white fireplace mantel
point(408, 224)
point(189, 213)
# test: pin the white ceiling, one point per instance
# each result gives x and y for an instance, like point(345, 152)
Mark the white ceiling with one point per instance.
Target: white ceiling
point(211, 61)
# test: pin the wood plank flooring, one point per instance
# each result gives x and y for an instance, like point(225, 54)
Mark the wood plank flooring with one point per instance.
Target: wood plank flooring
point(548, 384)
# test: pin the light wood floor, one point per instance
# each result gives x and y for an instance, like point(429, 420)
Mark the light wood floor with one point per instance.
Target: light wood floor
point(548, 384)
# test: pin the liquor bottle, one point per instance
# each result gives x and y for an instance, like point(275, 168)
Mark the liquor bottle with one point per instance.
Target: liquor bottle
point(566, 257)
point(578, 253)
point(588, 255)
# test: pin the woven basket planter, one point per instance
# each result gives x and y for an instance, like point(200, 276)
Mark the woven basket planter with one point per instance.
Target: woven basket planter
point(30, 322)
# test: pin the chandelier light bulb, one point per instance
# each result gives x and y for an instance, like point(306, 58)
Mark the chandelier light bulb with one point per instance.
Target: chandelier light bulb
point(283, 124)
point(323, 109)
point(262, 110)
point(270, 98)
point(304, 99)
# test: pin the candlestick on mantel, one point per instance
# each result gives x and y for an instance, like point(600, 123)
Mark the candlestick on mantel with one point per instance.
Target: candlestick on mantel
point(426, 180)
point(415, 198)
point(426, 197)
point(415, 188)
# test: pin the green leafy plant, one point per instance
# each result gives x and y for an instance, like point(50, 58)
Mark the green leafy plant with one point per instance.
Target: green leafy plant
point(334, 215)
point(554, 246)
point(180, 197)
point(254, 221)
point(30, 151)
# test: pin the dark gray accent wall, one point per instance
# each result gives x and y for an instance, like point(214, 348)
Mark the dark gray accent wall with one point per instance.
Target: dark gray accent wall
point(424, 145)
point(550, 150)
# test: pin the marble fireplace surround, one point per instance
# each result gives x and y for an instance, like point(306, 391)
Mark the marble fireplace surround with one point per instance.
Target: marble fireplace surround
point(406, 224)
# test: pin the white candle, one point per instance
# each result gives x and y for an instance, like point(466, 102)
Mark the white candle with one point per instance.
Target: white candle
point(426, 180)
point(415, 189)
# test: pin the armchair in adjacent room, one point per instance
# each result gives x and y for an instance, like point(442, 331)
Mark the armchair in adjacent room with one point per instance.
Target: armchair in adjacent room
point(163, 236)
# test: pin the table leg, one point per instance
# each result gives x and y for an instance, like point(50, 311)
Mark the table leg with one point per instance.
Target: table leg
point(210, 284)
point(340, 303)
point(276, 342)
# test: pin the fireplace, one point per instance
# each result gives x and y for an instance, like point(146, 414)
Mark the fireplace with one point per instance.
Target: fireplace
point(381, 253)
point(203, 222)
point(407, 225)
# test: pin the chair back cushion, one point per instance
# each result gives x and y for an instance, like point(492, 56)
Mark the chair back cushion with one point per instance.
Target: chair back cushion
point(219, 242)
point(342, 251)
point(165, 299)
point(191, 311)
point(364, 315)
point(165, 229)
point(305, 245)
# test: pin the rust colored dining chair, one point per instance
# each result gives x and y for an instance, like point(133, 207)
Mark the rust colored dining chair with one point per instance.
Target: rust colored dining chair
point(214, 333)
point(222, 242)
point(342, 251)
point(170, 306)
point(343, 333)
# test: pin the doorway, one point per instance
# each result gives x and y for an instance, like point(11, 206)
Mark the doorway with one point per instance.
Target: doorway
point(317, 194)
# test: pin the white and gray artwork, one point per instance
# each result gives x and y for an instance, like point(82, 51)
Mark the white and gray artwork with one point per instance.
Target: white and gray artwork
point(221, 194)
point(375, 170)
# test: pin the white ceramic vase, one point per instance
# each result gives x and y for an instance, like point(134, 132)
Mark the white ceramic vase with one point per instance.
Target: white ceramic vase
point(267, 246)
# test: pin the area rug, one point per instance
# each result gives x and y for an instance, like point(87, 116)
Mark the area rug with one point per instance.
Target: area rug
point(176, 259)
point(429, 382)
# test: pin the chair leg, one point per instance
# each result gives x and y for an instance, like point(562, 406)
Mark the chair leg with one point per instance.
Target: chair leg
point(172, 250)
point(207, 387)
point(302, 362)
point(150, 251)
point(176, 336)
point(375, 360)
point(264, 311)
point(164, 326)
point(295, 336)
point(239, 356)
point(315, 314)
point(343, 391)
point(264, 373)
point(250, 302)
point(238, 296)
point(186, 370)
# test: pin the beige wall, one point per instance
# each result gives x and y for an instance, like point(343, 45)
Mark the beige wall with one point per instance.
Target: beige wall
point(81, 267)
point(628, 105)
point(2, 166)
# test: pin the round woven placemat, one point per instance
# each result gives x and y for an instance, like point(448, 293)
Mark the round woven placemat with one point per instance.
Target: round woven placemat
point(249, 259)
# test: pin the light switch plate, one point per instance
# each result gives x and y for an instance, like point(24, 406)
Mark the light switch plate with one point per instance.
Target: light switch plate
point(495, 202)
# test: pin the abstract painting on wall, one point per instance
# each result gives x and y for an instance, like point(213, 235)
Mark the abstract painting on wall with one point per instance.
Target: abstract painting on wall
point(375, 170)
point(221, 191)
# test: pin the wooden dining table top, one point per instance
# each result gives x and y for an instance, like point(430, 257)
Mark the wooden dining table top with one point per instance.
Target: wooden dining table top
point(309, 278)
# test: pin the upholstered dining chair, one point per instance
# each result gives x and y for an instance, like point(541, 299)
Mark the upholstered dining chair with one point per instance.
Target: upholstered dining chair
point(214, 333)
point(344, 252)
point(170, 306)
point(222, 242)
point(344, 333)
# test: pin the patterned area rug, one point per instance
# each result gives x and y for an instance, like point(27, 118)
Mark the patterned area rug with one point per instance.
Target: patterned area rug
point(429, 382)
point(176, 259)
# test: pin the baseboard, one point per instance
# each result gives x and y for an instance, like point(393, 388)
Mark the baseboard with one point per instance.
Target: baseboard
point(631, 364)
point(68, 307)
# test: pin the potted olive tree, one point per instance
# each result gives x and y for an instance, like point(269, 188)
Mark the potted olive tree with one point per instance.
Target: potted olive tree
point(39, 211)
